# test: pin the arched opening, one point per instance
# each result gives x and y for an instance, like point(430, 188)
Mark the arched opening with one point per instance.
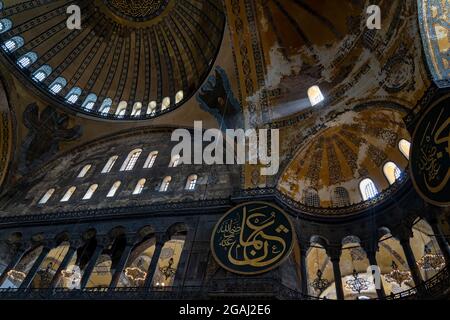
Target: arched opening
point(179, 97)
point(110, 164)
point(112, 192)
point(13, 44)
point(5, 25)
point(315, 95)
point(311, 198)
point(131, 160)
point(165, 184)
point(392, 172)
point(150, 162)
point(165, 103)
point(140, 186)
point(73, 95)
point(121, 109)
point(340, 197)
point(89, 102)
point(151, 109)
point(84, 171)
point(191, 182)
point(175, 161)
point(404, 146)
point(368, 189)
point(27, 60)
point(58, 85)
point(137, 108)
point(47, 196)
point(320, 273)
point(90, 192)
point(68, 194)
point(105, 107)
point(42, 73)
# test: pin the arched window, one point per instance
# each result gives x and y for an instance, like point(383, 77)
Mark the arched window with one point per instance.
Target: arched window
point(151, 109)
point(311, 198)
point(315, 95)
point(165, 103)
point(73, 95)
point(340, 197)
point(140, 186)
point(90, 192)
point(47, 196)
point(90, 101)
point(165, 184)
point(13, 44)
point(109, 165)
point(175, 161)
point(5, 25)
point(179, 97)
point(106, 106)
point(404, 147)
point(68, 194)
point(137, 108)
point(27, 59)
point(391, 172)
point(131, 160)
point(58, 85)
point(43, 72)
point(121, 109)
point(149, 163)
point(113, 190)
point(84, 171)
point(368, 189)
point(191, 182)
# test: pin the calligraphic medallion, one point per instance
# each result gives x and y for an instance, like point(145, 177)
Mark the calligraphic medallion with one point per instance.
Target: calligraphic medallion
point(252, 238)
point(430, 155)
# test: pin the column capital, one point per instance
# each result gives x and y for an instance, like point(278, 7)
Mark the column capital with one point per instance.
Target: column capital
point(334, 254)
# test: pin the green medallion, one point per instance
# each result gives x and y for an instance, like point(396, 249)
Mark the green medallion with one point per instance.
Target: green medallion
point(430, 155)
point(252, 238)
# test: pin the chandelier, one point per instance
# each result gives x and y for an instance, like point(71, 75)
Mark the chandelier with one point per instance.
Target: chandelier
point(397, 276)
point(72, 276)
point(168, 271)
point(16, 275)
point(135, 274)
point(431, 261)
point(320, 284)
point(357, 284)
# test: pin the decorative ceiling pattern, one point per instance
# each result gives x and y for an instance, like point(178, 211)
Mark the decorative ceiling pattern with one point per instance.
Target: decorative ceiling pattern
point(135, 67)
point(354, 147)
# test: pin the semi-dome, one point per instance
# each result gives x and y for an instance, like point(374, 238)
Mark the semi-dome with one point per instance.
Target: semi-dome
point(129, 60)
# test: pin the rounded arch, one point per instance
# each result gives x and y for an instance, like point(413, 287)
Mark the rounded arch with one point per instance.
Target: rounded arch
point(368, 189)
point(392, 172)
point(405, 147)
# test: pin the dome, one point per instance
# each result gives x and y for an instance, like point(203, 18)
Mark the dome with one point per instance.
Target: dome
point(357, 150)
point(130, 60)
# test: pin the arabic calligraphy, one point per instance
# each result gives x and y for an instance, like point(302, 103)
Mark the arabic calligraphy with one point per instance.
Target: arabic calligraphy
point(252, 238)
point(430, 161)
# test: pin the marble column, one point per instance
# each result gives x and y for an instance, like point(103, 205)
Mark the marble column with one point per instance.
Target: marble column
point(121, 265)
point(63, 266)
point(441, 240)
point(34, 269)
point(91, 264)
point(410, 259)
point(154, 263)
point(304, 271)
point(335, 257)
point(180, 273)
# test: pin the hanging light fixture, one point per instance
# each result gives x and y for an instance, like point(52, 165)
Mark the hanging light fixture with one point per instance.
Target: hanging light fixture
point(135, 274)
point(16, 275)
point(397, 276)
point(319, 284)
point(357, 284)
point(431, 261)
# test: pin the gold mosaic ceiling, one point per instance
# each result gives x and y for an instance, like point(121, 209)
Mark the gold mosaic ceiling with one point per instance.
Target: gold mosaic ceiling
point(140, 58)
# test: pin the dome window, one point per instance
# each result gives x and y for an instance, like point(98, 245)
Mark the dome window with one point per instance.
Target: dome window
point(27, 60)
point(106, 106)
point(47, 196)
point(315, 95)
point(311, 198)
point(121, 109)
point(191, 183)
point(340, 197)
point(131, 160)
point(165, 103)
point(404, 146)
point(165, 184)
point(90, 101)
point(84, 171)
point(68, 194)
point(43, 72)
point(139, 187)
point(175, 161)
point(179, 97)
point(137, 108)
point(109, 165)
point(13, 44)
point(368, 189)
point(113, 190)
point(90, 192)
point(151, 110)
point(58, 85)
point(391, 172)
point(150, 162)
point(73, 96)
point(5, 25)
